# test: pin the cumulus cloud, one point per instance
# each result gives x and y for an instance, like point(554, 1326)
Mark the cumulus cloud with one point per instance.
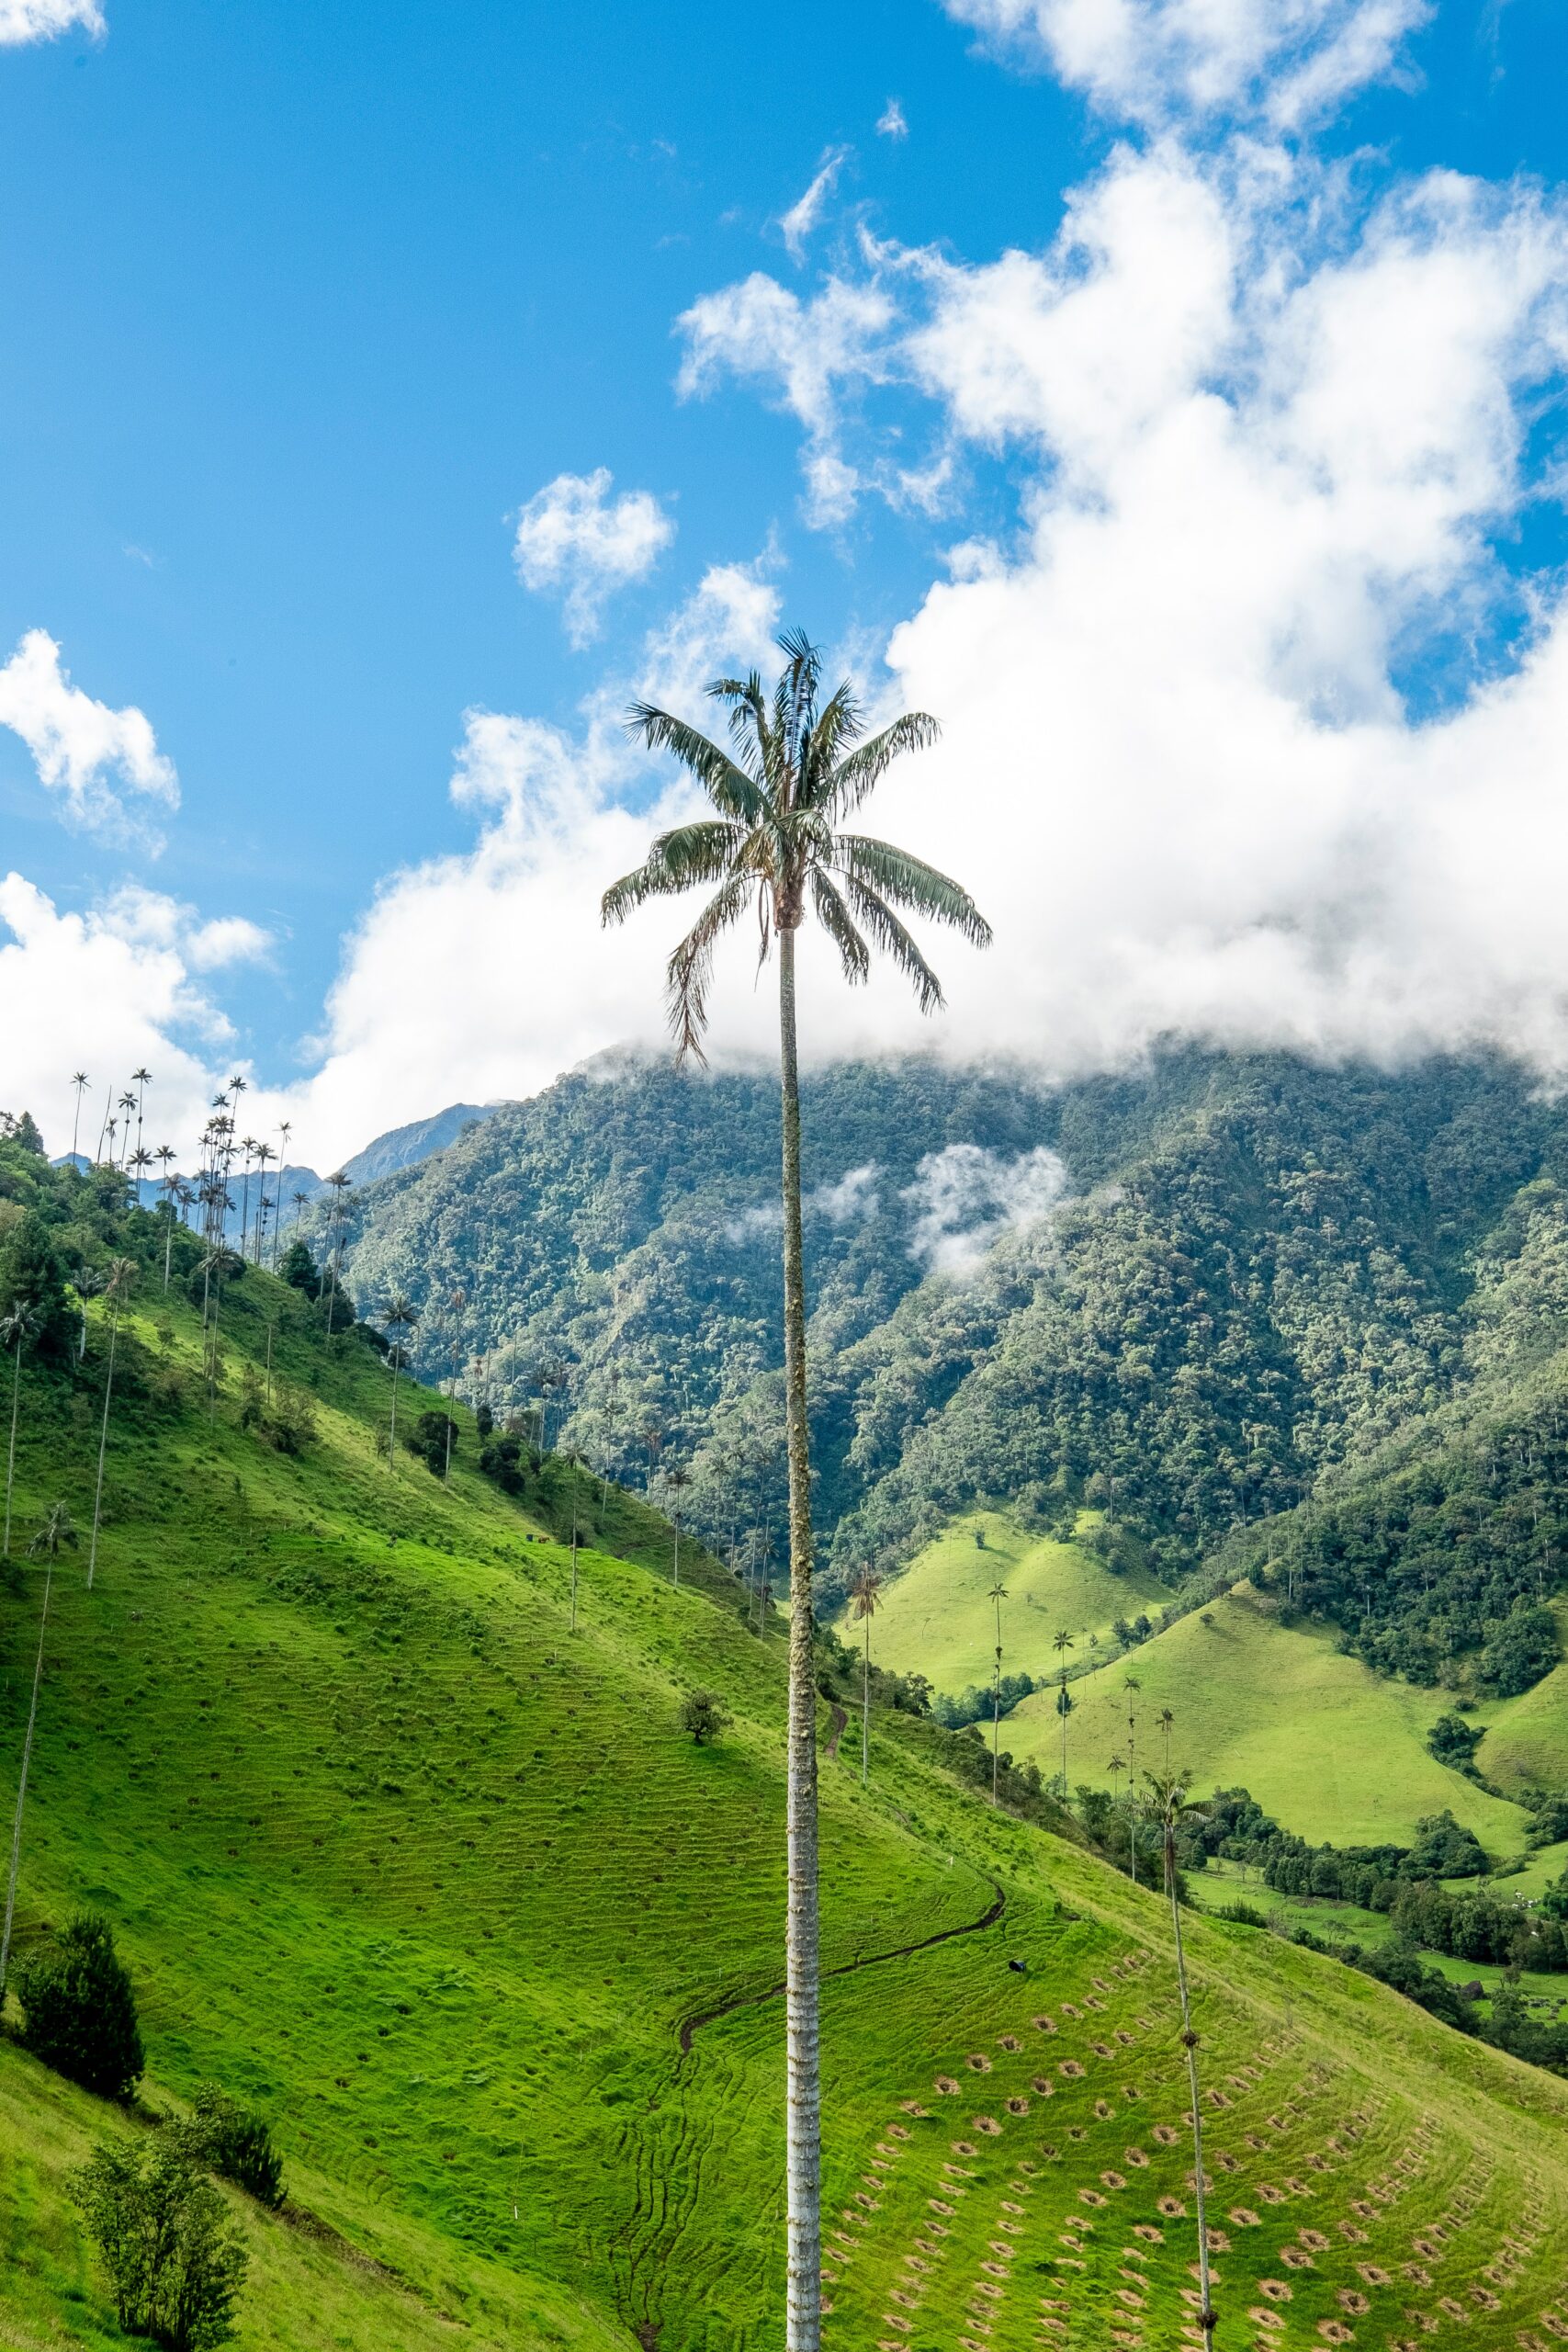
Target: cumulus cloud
point(89, 755)
point(964, 1198)
point(804, 354)
point(109, 991)
point(26, 20)
point(890, 122)
point(577, 542)
point(801, 218)
point(1285, 61)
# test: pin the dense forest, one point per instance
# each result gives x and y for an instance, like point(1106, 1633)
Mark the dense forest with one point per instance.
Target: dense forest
point(1217, 1295)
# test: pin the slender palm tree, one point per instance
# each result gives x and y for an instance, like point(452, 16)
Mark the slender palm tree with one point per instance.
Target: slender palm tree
point(103, 1126)
point(87, 1282)
point(794, 770)
point(1116, 1767)
point(23, 1323)
point(677, 1478)
point(1167, 1724)
point(1169, 1804)
point(285, 1129)
point(56, 1532)
point(142, 1161)
point(997, 1595)
point(116, 1290)
point(81, 1082)
point(399, 1316)
point(127, 1103)
point(1062, 1645)
point(865, 1589)
point(142, 1079)
point(164, 1156)
point(1132, 1686)
point(340, 1182)
point(263, 1153)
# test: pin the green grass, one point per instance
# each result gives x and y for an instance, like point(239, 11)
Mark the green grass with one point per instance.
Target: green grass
point(1527, 1739)
point(1329, 1749)
point(394, 1854)
point(935, 1618)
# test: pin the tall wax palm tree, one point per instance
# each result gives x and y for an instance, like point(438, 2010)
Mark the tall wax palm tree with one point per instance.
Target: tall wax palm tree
point(263, 1153)
point(795, 769)
point(1062, 1645)
point(1169, 1803)
point(675, 1480)
point(116, 1290)
point(127, 1103)
point(81, 1082)
point(142, 1161)
point(56, 1532)
point(340, 1182)
point(23, 1323)
point(247, 1153)
point(142, 1079)
point(997, 1595)
point(285, 1129)
point(399, 1316)
point(103, 1126)
point(865, 1589)
point(164, 1156)
point(1167, 1721)
point(87, 1282)
point(1132, 1687)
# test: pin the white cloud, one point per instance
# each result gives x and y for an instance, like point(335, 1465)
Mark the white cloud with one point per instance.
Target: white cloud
point(574, 540)
point(801, 218)
point(81, 749)
point(849, 1202)
point(890, 122)
point(26, 20)
point(1288, 61)
point(964, 1198)
point(801, 352)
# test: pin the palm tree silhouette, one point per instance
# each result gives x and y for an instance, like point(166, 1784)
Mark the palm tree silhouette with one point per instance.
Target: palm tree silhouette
point(165, 1157)
point(55, 1532)
point(677, 1478)
point(81, 1082)
point(795, 769)
point(142, 1079)
point(116, 1290)
point(1062, 1645)
point(864, 1591)
point(1170, 1804)
point(21, 1324)
point(398, 1315)
point(1167, 1721)
point(340, 1182)
point(1132, 1686)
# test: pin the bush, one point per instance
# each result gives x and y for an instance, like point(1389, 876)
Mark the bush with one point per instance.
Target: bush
point(1454, 1742)
point(300, 1271)
point(228, 2139)
point(433, 1438)
point(704, 1716)
point(80, 2009)
point(172, 2251)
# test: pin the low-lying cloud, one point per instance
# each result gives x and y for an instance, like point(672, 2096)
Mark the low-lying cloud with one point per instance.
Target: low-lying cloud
point(965, 1197)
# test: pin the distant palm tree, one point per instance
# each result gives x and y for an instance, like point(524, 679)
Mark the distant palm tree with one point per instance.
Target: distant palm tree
point(81, 1082)
point(399, 1316)
point(864, 1590)
point(263, 1153)
point(103, 1126)
point(796, 768)
point(164, 1156)
point(87, 1282)
point(127, 1103)
point(997, 1595)
point(1170, 1804)
point(1132, 1687)
point(1062, 1645)
point(55, 1532)
point(142, 1161)
point(23, 1323)
point(1167, 1721)
point(1117, 1766)
point(340, 1182)
point(677, 1478)
point(116, 1290)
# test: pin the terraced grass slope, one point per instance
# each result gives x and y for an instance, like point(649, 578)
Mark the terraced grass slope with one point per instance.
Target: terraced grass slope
point(394, 1852)
point(1328, 1749)
point(936, 1618)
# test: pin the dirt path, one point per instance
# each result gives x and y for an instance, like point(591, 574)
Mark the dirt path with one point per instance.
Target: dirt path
point(691, 2027)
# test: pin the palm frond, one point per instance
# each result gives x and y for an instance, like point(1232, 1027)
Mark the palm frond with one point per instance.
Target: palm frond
point(704, 851)
point(748, 729)
point(794, 697)
point(690, 969)
point(842, 790)
point(834, 918)
point(732, 791)
point(910, 882)
point(877, 917)
point(832, 730)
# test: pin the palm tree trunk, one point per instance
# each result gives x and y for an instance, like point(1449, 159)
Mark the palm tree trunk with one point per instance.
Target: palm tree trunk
point(1189, 2040)
point(392, 1440)
point(11, 1457)
point(803, 2327)
point(102, 1445)
point(865, 1710)
point(168, 1245)
point(22, 1792)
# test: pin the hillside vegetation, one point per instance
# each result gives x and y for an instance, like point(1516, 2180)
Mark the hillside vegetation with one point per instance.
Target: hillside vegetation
point(442, 1887)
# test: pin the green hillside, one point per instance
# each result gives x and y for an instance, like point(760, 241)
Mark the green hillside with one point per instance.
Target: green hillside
point(1527, 1737)
point(440, 1885)
point(1327, 1747)
point(936, 1618)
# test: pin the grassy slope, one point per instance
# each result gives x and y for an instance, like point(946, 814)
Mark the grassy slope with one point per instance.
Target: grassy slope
point(1327, 1747)
point(935, 1618)
point(393, 1853)
point(1527, 1739)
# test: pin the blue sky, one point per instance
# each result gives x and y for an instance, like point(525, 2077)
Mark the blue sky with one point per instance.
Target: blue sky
point(302, 305)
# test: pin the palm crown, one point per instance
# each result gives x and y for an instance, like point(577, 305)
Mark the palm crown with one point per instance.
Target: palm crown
point(796, 768)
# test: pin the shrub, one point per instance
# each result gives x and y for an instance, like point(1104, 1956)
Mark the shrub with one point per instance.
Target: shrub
point(81, 2010)
point(171, 2250)
point(300, 1271)
point(228, 2139)
point(1454, 1742)
point(704, 1716)
point(431, 1438)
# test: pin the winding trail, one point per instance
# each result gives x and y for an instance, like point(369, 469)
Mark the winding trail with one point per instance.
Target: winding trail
point(691, 2027)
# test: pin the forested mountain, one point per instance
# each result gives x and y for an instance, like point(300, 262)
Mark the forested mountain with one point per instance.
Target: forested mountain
point(1190, 1294)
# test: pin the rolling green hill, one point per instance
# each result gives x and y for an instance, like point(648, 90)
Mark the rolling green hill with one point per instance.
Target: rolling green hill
point(438, 1883)
point(1326, 1746)
point(936, 1618)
